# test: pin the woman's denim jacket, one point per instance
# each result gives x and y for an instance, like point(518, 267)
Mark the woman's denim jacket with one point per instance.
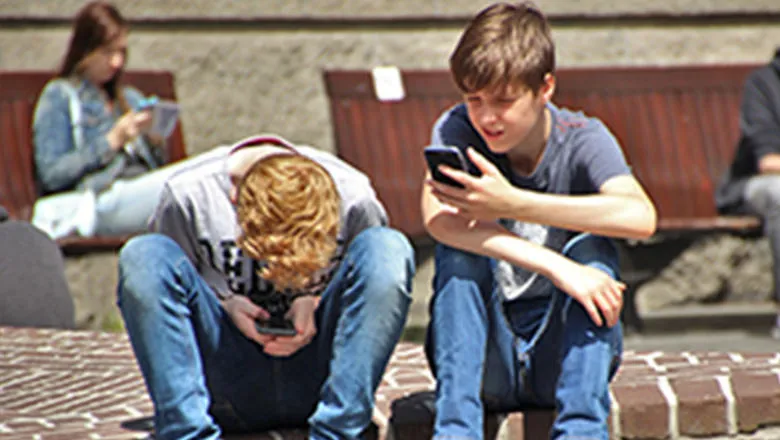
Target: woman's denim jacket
point(60, 164)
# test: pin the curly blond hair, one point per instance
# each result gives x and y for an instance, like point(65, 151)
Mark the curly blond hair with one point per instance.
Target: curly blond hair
point(288, 209)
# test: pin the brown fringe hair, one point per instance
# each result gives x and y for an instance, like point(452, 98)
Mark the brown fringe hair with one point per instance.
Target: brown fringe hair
point(505, 45)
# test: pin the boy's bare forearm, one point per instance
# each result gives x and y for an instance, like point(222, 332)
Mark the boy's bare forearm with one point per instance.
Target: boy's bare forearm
point(612, 215)
point(490, 239)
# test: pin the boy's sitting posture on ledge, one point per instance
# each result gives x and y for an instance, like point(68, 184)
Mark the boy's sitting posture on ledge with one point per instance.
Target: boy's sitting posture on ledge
point(269, 228)
point(526, 303)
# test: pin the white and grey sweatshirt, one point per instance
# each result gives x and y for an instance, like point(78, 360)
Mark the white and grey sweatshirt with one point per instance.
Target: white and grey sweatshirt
point(196, 212)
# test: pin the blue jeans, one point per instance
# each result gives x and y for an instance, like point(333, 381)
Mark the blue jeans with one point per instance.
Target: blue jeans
point(203, 375)
point(762, 197)
point(502, 356)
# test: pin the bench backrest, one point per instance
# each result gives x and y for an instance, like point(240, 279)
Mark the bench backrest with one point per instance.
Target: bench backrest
point(19, 92)
point(678, 127)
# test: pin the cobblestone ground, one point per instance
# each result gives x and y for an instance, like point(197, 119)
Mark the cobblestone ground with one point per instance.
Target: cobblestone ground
point(85, 385)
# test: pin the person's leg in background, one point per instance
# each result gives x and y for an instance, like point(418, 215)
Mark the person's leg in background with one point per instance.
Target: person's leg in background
point(125, 207)
point(762, 195)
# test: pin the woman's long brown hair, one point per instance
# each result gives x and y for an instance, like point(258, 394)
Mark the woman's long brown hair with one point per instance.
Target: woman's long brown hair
point(96, 24)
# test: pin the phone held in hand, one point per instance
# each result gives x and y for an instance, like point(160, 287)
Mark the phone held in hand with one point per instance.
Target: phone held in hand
point(436, 155)
point(275, 325)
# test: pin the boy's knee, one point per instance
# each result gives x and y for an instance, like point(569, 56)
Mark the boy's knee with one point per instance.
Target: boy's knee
point(145, 252)
point(453, 261)
point(385, 256)
point(595, 251)
point(381, 240)
point(459, 272)
point(145, 261)
point(579, 323)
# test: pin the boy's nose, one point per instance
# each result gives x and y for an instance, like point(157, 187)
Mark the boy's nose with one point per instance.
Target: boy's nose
point(488, 116)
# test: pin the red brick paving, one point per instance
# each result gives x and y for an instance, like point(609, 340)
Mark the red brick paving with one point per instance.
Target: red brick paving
point(85, 385)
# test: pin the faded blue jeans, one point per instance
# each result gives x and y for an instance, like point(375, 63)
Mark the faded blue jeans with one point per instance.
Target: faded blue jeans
point(762, 197)
point(501, 356)
point(204, 376)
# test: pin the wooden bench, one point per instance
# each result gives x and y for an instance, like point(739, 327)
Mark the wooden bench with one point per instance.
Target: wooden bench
point(19, 92)
point(678, 127)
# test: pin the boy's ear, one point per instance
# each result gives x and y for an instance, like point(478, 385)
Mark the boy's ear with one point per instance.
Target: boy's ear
point(548, 87)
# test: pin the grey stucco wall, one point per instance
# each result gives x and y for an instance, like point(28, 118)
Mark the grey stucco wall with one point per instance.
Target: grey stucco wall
point(241, 73)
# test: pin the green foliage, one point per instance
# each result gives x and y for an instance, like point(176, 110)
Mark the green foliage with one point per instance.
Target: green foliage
point(113, 322)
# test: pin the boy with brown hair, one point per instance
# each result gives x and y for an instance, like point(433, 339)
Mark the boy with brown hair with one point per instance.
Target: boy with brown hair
point(526, 299)
point(265, 231)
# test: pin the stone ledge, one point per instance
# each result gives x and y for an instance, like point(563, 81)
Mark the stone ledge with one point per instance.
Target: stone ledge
point(78, 384)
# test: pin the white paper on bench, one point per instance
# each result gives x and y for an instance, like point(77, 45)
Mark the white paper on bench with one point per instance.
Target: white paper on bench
point(388, 84)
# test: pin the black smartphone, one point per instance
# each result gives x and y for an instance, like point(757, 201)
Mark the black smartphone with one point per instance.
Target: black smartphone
point(276, 325)
point(437, 155)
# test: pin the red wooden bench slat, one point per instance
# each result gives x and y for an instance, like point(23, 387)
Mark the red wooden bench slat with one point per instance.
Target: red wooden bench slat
point(16, 181)
point(22, 113)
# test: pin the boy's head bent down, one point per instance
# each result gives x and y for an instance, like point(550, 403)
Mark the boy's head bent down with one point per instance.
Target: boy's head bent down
point(288, 210)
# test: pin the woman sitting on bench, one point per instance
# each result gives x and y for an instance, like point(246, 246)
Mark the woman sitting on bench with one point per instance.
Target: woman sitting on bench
point(94, 151)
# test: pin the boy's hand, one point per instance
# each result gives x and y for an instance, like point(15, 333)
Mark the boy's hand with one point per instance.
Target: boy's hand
point(302, 315)
point(488, 197)
point(244, 313)
point(595, 290)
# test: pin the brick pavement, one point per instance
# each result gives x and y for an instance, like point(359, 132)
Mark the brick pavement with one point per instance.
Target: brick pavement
point(85, 385)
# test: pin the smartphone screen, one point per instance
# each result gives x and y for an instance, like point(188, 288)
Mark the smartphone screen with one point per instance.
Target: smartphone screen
point(279, 326)
point(147, 103)
point(437, 155)
point(165, 114)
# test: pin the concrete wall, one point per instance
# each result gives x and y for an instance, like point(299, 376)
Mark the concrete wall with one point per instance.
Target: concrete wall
point(256, 66)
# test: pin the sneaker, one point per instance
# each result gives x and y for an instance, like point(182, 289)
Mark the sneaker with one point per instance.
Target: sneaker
point(57, 214)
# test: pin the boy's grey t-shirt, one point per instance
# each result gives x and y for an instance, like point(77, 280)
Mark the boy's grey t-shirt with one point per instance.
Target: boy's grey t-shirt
point(581, 154)
point(195, 211)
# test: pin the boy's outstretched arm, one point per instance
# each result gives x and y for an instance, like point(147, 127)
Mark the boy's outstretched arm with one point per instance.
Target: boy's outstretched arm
point(620, 209)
